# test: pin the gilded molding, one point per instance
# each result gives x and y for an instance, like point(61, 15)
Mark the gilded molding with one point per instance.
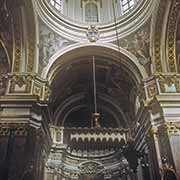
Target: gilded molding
point(31, 36)
point(171, 35)
point(28, 84)
point(173, 128)
point(152, 90)
point(31, 52)
point(157, 35)
point(17, 41)
point(154, 132)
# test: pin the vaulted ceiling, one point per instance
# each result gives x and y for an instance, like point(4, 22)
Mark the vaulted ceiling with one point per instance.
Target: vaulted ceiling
point(72, 99)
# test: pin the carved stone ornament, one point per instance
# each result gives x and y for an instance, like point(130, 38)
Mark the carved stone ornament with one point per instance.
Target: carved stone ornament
point(173, 128)
point(152, 90)
point(20, 84)
point(92, 33)
point(90, 168)
point(29, 84)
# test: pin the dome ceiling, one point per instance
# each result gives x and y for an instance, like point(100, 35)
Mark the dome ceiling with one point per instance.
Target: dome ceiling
point(93, 11)
point(72, 19)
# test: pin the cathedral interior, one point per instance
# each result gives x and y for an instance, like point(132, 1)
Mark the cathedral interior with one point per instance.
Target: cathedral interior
point(89, 89)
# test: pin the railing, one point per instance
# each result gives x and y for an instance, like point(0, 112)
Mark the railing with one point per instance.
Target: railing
point(89, 137)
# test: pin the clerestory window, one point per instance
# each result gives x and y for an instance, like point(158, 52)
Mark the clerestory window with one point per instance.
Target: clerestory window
point(58, 4)
point(127, 5)
point(91, 12)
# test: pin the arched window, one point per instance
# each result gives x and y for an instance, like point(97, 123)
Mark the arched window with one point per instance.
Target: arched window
point(127, 5)
point(58, 4)
point(91, 12)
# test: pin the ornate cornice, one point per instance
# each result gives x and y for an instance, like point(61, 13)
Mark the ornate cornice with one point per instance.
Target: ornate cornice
point(28, 84)
point(162, 84)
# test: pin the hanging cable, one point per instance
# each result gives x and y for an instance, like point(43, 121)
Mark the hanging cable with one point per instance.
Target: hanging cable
point(95, 115)
point(94, 85)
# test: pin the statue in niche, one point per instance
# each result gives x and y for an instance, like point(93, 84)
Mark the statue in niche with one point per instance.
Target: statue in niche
point(49, 44)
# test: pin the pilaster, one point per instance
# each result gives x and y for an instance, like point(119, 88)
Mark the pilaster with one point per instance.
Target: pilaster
point(24, 131)
point(161, 95)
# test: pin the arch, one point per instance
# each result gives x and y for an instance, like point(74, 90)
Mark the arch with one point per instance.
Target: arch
point(106, 49)
point(163, 35)
point(116, 112)
point(6, 53)
point(24, 37)
point(171, 29)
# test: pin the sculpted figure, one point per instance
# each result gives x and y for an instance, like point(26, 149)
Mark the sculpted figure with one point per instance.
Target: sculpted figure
point(141, 45)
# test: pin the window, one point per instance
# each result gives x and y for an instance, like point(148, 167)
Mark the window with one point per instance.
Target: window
point(58, 4)
point(127, 5)
point(91, 12)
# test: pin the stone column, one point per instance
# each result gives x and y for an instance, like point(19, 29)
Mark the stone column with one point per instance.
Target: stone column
point(161, 94)
point(170, 130)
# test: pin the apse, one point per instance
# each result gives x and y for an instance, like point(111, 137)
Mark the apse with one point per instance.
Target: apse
point(72, 98)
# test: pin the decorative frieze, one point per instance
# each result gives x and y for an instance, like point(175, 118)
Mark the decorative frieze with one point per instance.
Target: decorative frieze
point(171, 35)
point(91, 153)
point(149, 90)
point(17, 42)
point(161, 84)
point(97, 136)
point(90, 168)
point(28, 84)
point(157, 36)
